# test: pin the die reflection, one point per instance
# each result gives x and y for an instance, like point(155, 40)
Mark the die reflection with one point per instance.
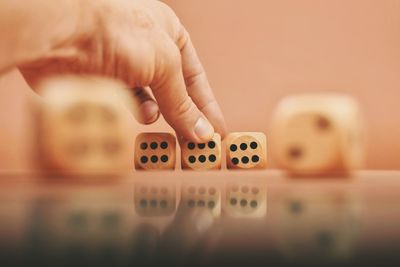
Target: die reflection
point(172, 231)
point(198, 196)
point(245, 200)
point(154, 222)
point(242, 199)
point(80, 227)
point(204, 216)
point(317, 225)
point(155, 199)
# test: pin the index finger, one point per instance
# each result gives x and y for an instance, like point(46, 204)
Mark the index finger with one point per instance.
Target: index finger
point(197, 84)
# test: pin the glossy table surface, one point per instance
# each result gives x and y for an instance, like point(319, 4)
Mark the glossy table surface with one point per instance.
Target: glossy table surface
point(275, 220)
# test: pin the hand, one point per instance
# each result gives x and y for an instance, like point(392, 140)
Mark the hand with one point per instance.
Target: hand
point(142, 43)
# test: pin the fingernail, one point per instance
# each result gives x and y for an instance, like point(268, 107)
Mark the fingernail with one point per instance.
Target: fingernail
point(203, 129)
point(149, 111)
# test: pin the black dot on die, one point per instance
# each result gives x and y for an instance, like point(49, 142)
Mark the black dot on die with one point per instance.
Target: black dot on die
point(191, 203)
point(235, 161)
point(191, 146)
point(255, 158)
point(243, 202)
point(201, 145)
point(295, 152)
point(245, 160)
point(164, 145)
point(253, 204)
point(163, 204)
point(243, 146)
point(143, 146)
point(253, 145)
point(153, 145)
point(233, 148)
point(202, 158)
point(212, 158)
point(164, 158)
point(192, 159)
point(323, 123)
point(154, 159)
point(153, 203)
point(233, 201)
point(211, 204)
point(144, 159)
point(143, 203)
point(211, 144)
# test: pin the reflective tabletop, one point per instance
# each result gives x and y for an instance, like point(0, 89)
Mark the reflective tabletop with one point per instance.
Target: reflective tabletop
point(255, 218)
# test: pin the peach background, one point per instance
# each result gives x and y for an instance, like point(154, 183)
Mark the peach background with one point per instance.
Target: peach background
point(257, 51)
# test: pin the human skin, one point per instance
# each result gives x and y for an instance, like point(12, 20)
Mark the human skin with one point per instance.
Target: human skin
point(140, 42)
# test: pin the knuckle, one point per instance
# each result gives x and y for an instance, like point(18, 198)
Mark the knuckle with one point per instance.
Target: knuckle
point(137, 64)
point(194, 76)
point(208, 104)
point(185, 109)
point(182, 37)
point(167, 64)
point(175, 27)
point(171, 57)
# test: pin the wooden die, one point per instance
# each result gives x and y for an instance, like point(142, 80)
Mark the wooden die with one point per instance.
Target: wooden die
point(246, 150)
point(83, 126)
point(201, 156)
point(155, 151)
point(246, 200)
point(195, 196)
point(155, 199)
point(317, 134)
